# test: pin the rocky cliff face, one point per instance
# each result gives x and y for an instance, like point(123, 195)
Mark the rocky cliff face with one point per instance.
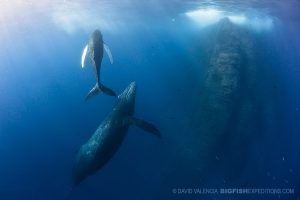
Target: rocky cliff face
point(230, 113)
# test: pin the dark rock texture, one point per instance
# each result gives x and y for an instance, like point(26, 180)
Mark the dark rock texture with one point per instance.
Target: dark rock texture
point(231, 116)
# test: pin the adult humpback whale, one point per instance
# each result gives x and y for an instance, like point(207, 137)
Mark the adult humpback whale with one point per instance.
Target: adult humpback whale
point(94, 50)
point(106, 140)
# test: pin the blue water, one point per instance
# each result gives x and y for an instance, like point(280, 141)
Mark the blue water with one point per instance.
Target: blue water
point(170, 54)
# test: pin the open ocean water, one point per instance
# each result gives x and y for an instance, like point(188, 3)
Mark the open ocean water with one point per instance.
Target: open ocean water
point(219, 79)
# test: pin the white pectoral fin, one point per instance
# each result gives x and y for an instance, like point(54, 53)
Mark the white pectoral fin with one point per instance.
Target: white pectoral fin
point(84, 55)
point(107, 50)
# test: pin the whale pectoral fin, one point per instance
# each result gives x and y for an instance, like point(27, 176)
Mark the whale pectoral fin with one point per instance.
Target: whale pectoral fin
point(84, 55)
point(146, 126)
point(107, 50)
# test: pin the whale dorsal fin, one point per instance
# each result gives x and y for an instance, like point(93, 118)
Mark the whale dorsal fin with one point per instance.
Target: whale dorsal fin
point(84, 55)
point(107, 50)
point(146, 126)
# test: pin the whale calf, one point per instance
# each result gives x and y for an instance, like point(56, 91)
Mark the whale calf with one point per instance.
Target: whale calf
point(94, 51)
point(108, 137)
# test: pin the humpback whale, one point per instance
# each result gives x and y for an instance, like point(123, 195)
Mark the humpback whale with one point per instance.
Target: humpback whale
point(108, 137)
point(94, 50)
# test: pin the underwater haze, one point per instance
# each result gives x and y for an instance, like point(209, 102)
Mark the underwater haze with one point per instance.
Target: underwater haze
point(220, 80)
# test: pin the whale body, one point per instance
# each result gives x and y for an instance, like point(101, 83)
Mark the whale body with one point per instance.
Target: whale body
point(108, 137)
point(94, 51)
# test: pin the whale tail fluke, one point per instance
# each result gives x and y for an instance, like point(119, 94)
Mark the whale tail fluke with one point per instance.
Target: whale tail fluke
point(93, 92)
point(107, 90)
point(146, 126)
point(97, 89)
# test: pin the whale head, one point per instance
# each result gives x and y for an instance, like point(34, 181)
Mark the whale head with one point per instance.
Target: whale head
point(127, 98)
point(97, 36)
point(129, 91)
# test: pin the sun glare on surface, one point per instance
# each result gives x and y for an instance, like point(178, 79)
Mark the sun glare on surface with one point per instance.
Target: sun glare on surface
point(204, 17)
point(238, 19)
point(70, 16)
